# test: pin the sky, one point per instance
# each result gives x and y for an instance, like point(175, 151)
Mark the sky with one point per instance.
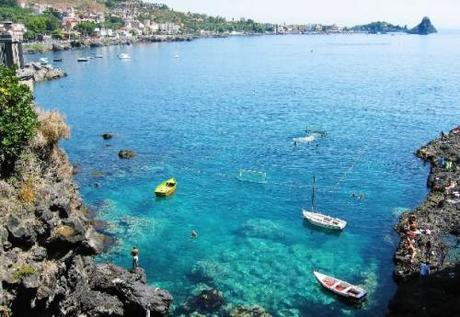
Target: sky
point(443, 13)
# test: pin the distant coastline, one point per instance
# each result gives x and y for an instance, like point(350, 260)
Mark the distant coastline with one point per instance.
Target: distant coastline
point(52, 25)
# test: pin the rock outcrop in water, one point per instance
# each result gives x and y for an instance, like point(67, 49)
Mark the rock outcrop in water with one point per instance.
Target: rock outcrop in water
point(424, 28)
point(38, 72)
point(47, 243)
point(431, 234)
point(126, 154)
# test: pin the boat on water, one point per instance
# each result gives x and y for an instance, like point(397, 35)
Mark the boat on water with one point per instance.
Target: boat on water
point(319, 219)
point(57, 59)
point(99, 56)
point(82, 59)
point(124, 56)
point(43, 61)
point(324, 221)
point(339, 287)
point(167, 188)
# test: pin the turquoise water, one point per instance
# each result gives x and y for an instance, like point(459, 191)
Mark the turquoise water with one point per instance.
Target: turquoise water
point(237, 103)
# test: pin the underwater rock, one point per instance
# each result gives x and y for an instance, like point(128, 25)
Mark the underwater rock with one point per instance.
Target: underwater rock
point(107, 136)
point(243, 311)
point(207, 301)
point(76, 168)
point(126, 154)
point(262, 229)
point(204, 272)
point(97, 174)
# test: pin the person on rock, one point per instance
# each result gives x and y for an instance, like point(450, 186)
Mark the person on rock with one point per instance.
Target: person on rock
point(424, 270)
point(428, 250)
point(135, 256)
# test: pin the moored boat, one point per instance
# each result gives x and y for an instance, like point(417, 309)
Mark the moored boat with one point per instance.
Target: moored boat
point(43, 61)
point(340, 287)
point(57, 59)
point(324, 221)
point(82, 59)
point(124, 56)
point(167, 188)
point(318, 219)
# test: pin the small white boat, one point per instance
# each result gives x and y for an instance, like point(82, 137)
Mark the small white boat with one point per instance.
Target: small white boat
point(82, 59)
point(176, 56)
point(319, 219)
point(43, 61)
point(323, 220)
point(340, 287)
point(124, 56)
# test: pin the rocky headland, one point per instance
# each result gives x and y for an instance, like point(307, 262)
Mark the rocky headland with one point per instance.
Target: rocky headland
point(36, 72)
point(424, 28)
point(431, 234)
point(48, 242)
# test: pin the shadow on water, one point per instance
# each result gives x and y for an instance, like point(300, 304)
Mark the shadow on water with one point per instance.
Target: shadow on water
point(313, 228)
point(336, 308)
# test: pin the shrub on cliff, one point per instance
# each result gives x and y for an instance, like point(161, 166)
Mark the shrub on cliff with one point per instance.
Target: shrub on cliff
point(52, 127)
point(18, 120)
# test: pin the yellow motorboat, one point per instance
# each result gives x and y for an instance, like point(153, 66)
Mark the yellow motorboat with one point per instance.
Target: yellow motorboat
point(167, 188)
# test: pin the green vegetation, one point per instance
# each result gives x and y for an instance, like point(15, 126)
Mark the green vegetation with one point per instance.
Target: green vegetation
point(113, 22)
point(86, 27)
point(193, 22)
point(8, 3)
point(18, 120)
point(35, 47)
point(37, 25)
point(23, 270)
point(379, 27)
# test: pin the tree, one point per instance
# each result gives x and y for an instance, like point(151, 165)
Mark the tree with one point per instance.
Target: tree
point(8, 3)
point(18, 120)
point(86, 27)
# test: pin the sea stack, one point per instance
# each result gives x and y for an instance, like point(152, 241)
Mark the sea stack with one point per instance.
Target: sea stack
point(424, 28)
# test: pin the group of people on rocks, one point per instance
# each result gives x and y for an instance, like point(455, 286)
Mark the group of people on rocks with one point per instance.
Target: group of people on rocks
point(411, 237)
point(411, 232)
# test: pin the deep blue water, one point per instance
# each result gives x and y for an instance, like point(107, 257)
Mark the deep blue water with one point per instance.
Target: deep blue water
point(237, 103)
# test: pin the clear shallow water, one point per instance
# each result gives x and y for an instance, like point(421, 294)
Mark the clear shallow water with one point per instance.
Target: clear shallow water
point(235, 103)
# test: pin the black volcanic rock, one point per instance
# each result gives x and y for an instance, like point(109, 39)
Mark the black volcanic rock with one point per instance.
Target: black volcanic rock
point(46, 249)
point(424, 28)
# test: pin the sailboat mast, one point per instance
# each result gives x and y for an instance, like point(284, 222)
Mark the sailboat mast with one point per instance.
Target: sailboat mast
point(313, 194)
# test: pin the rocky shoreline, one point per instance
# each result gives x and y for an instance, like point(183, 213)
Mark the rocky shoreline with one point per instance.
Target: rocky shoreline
point(47, 243)
point(56, 46)
point(431, 234)
point(37, 72)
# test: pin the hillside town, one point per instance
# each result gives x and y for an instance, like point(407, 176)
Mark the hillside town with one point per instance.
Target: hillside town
point(132, 19)
point(60, 25)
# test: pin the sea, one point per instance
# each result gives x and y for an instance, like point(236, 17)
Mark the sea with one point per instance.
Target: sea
point(244, 124)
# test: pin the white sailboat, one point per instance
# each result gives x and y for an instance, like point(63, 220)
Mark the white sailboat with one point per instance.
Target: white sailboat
point(319, 219)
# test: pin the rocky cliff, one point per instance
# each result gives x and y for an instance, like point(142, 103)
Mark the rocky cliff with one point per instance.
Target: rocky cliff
point(47, 243)
point(431, 234)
